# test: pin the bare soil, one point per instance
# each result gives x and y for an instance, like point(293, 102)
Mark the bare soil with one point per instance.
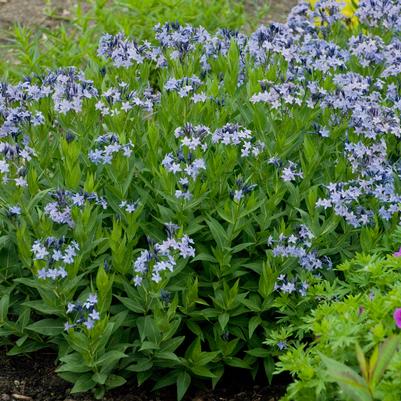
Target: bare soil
point(33, 378)
point(34, 13)
point(279, 10)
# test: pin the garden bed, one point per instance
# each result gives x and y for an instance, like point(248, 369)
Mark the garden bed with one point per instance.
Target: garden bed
point(186, 205)
point(34, 379)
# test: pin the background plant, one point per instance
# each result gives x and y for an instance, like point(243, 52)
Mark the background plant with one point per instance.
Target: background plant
point(361, 311)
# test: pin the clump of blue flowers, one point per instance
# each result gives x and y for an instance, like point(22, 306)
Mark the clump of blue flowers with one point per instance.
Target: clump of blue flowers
point(56, 253)
point(162, 257)
point(289, 134)
point(85, 314)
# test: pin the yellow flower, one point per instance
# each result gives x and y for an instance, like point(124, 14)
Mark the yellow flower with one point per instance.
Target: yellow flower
point(348, 10)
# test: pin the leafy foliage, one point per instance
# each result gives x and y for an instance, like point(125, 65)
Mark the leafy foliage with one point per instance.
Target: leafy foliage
point(194, 202)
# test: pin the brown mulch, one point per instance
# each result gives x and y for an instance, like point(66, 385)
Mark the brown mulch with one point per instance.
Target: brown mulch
point(32, 378)
point(34, 12)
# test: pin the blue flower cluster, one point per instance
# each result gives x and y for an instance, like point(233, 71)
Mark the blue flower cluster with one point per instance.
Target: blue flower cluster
point(108, 145)
point(59, 211)
point(162, 256)
point(122, 99)
point(196, 138)
point(361, 109)
point(85, 313)
point(286, 286)
point(242, 190)
point(56, 253)
point(125, 52)
point(300, 247)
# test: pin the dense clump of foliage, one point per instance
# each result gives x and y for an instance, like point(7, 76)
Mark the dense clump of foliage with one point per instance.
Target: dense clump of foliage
point(181, 204)
point(74, 41)
point(356, 310)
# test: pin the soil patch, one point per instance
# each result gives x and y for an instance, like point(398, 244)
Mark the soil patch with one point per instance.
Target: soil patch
point(33, 378)
point(34, 13)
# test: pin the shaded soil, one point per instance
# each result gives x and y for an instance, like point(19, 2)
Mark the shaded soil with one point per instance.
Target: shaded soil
point(33, 379)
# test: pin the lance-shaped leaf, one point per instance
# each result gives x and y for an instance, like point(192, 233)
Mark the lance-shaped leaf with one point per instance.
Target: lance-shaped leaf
point(363, 365)
point(353, 385)
point(386, 353)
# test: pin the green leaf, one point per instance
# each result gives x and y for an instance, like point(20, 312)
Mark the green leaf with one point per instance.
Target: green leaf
point(258, 352)
point(195, 328)
point(4, 303)
point(73, 367)
point(4, 241)
point(84, 383)
point(269, 365)
point(21, 340)
point(266, 281)
point(372, 362)
point(132, 304)
point(223, 320)
point(38, 197)
point(206, 357)
point(206, 257)
point(172, 344)
point(44, 308)
point(99, 392)
point(236, 362)
point(110, 358)
point(148, 345)
point(194, 350)
point(362, 362)
point(48, 327)
point(386, 353)
point(183, 382)
point(142, 365)
point(115, 381)
point(99, 378)
point(145, 375)
point(202, 371)
point(147, 329)
point(102, 281)
point(254, 322)
point(218, 232)
point(169, 356)
point(353, 385)
point(240, 247)
point(165, 381)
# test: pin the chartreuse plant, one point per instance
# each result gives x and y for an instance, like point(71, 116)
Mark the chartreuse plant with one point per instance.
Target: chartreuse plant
point(355, 386)
point(180, 204)
point(363, 315)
